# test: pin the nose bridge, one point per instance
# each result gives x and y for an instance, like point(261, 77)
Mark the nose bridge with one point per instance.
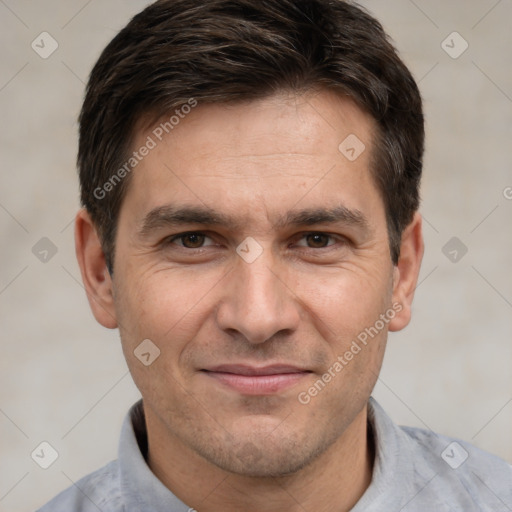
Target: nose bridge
point(260, 286)
point(256, 302)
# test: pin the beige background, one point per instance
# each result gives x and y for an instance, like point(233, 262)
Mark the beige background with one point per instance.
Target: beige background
point(64, 379)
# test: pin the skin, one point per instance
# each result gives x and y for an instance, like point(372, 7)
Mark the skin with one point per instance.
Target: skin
point(301, 302)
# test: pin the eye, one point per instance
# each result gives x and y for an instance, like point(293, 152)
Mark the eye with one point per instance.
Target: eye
point(191, 240)
point(317, 240)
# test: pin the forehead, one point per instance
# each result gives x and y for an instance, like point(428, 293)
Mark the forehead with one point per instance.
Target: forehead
point(260, 157)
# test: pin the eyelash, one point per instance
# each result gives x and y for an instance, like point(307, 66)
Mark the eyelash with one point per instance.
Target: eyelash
point(171, 240)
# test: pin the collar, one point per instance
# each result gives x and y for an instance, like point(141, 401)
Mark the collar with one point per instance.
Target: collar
point(140, 488)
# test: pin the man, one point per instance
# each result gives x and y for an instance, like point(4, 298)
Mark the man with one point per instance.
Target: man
point(249, 174)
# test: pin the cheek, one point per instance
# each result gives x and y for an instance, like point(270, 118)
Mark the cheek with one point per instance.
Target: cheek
point(155, 301)
point(167, 307)
point(153, 329)
point(344, 301)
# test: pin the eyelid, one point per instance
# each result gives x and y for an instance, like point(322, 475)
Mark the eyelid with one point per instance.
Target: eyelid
point(335, 237)
point(299, 237)
point(171, 239)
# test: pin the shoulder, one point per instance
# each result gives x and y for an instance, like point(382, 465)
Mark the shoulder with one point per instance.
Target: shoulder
point(98, 491)
point(461, 470)
point(418, 469)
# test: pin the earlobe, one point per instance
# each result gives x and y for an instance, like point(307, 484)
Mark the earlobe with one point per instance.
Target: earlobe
point(405, 273)
point(93, 267)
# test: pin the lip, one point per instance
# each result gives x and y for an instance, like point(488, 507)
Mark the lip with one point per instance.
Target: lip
point(252, 380)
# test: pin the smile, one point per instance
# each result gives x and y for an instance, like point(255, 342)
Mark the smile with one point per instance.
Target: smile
point(250, 380)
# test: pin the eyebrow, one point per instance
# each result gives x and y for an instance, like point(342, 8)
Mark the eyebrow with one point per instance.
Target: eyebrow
point(165, 216)
point(168, 216)
point(336, 215)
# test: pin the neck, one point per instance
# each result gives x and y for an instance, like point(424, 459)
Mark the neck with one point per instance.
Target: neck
point(335, 480)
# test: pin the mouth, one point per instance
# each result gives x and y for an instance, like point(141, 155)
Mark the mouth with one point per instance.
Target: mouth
point(252, 380)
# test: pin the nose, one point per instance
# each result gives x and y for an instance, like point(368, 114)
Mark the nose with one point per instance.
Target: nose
point(257, 303)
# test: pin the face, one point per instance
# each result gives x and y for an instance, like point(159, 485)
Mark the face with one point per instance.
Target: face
point(253, 253)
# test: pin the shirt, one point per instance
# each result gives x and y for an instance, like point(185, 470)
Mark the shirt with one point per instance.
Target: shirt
point(414, 470)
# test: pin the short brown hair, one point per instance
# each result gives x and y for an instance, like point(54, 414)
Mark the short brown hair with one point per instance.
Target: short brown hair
point(242, 50)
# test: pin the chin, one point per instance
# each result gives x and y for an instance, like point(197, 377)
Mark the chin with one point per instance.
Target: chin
point(266, 456)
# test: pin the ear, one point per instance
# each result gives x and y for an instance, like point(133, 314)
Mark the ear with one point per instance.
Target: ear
point(406, 271)
point(95, 275)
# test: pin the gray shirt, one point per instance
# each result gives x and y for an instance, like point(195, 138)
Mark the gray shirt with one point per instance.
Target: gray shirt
point(414, 470)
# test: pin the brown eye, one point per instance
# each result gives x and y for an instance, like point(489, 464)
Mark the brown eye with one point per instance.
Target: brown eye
point(192, 240)
point(317, 240)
